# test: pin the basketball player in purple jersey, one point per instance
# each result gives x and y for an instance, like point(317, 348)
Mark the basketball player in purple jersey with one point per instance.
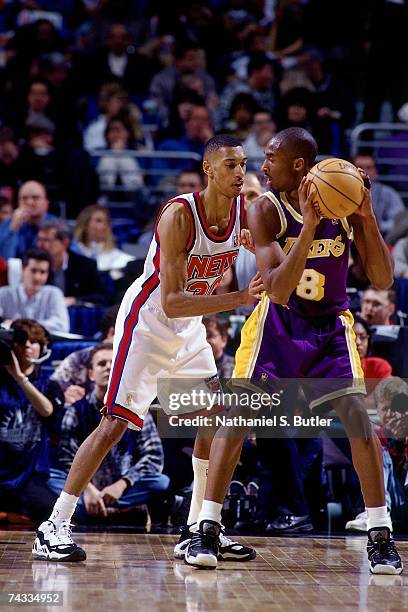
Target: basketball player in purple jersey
point(159, 334)
point(302, 327)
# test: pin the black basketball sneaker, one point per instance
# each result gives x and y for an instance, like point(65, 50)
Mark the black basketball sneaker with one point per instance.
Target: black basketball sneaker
point(382, 553)
point(54, 543)
point(228, 550)
point(202, 552)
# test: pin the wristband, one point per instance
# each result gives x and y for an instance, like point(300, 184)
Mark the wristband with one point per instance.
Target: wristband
point(24, 381)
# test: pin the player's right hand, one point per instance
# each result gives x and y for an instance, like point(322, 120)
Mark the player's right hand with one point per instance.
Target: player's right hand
point(254, 290)
point(93, 501)
point(311, 217)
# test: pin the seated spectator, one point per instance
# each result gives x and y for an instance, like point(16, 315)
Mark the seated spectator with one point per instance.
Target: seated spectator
point(189, 181)
point(10, 166)
point(33, 298)
point(113, 100)
point(94, 238)
point(387, 202)
point(374, 368)
point(6, 209)
point(36, 105)
point(20, 232)
point(217, 338)
point(130, 474)
point(400, 256)
point(29, 404)
point(262, 130)
point(197, 131)
point(72, 373)
point(66, 171)
point(117, 168)
point(77, 276)
point(187, 60)
point(378, 306)
point(262, 85)
point(242, 111)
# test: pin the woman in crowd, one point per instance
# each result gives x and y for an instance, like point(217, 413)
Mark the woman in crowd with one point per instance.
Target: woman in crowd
point(94, 238)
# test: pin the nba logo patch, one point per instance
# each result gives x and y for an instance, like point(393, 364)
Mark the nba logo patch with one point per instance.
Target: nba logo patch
point(129, 399)
point(235, 240)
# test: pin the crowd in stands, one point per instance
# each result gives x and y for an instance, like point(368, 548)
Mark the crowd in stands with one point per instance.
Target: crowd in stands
point(105, 108)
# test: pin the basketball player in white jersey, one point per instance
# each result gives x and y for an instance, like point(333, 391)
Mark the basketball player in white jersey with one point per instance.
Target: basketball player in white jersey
point(159, 334)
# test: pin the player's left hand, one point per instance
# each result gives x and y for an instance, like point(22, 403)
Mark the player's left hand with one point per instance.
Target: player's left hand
point(246, 240)
point(113, 492)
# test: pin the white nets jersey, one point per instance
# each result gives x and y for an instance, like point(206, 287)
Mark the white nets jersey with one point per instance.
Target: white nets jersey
point(147, 344)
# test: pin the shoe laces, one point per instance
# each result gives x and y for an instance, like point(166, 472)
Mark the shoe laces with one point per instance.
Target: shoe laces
point(224, 540)
point(65, 532)
point(385, 548)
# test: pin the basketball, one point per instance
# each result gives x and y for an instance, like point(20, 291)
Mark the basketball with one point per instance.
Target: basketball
point(339, 188)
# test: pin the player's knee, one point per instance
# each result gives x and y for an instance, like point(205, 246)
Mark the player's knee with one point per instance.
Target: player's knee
point(110, 431)
point(353, 414)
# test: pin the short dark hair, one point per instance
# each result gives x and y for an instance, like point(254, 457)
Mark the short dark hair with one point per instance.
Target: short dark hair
point(220, 140)
point(108, 320)
point(63, 231)
point(258, 61)
point(103, 346)
point(37, 254)
point(35, 331)
point(220, 323)
point(299, 143)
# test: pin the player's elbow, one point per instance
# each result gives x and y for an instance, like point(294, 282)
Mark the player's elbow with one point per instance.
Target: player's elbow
point(169, 306)
point(278, 298)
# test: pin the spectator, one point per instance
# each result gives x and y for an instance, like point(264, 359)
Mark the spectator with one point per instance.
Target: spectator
point(374, 368)
point(262, 130)
point(197, 131)
point(33, 299)
point(10, 167)
point(387, 203)
point(94, 238)
point(217, 338)
point(378, 306)
point(242, 111)
point(261, 84)
point(130, 475)
point(189, 181)
point(20, 232)
point(113, 100)
point(66, 171)
point(6, 209)
point(37, 105)
point(72, 373)
point(117, 167)
point(187, 60)
point(77, 276)
point(28, 405)
point(118, 61)
point(400, 255)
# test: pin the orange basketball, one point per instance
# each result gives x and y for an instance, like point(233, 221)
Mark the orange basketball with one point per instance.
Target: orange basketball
point(339, 188)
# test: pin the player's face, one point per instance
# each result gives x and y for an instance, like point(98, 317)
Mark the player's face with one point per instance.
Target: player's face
point(226, 170)
point(101, 366)
point(279, 168)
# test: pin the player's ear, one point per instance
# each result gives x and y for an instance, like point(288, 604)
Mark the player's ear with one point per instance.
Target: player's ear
point(299, 165)
point(208, 169)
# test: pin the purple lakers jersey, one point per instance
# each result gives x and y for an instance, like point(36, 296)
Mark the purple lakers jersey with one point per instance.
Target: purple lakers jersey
point(322, 287)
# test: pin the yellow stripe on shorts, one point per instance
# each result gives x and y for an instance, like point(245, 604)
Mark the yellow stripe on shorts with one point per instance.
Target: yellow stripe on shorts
point(347, 320)
point(251, 337)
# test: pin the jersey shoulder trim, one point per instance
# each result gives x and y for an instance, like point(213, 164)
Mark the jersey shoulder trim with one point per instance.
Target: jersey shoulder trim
point(208, 233)
point(284, 224)
point(297, 216)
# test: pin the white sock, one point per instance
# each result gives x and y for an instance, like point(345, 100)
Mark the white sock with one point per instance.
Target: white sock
point(200, 468)
point(64, 508)
point(378, 517)
point(210, 511)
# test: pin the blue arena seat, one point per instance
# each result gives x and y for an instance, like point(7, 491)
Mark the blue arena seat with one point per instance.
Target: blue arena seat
point(85, 320)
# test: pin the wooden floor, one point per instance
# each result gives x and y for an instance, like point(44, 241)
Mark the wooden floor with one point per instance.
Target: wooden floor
point(137, 572)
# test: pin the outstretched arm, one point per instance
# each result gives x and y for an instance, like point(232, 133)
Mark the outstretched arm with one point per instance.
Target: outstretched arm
point(174, 231)
point(281, 273)
point(376, 259)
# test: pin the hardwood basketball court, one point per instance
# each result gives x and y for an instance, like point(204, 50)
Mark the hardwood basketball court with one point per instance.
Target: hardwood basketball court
point(126, 571)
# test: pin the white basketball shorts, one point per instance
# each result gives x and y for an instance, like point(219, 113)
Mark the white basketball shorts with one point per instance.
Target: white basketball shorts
point(149, 347)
